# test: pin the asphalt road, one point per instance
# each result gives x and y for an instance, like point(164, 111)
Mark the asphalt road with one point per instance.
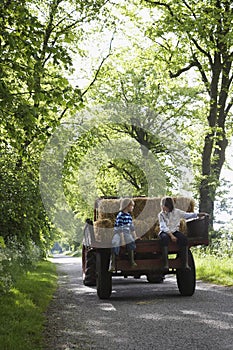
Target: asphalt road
point(138, 316)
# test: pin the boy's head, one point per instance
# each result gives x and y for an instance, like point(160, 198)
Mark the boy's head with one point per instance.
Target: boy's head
point(167, 204)
point(127, 204)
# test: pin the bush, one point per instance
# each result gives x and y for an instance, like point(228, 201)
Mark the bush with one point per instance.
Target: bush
point(220, 246)
point(15, 256)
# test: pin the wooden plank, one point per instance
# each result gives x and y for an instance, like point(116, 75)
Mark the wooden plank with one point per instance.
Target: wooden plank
point(146, 265)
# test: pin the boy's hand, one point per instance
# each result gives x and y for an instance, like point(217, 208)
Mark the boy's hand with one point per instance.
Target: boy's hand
point(202, 215)
point(135, 236)
point(173, 238)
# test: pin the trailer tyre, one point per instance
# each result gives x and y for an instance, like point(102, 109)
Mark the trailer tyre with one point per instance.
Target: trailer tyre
point(186, 279)
point(89, 267)
point(104, 277)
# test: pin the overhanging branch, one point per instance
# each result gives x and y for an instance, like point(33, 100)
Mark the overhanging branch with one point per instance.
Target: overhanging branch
point(182, 70)
point(100, 66)
point(162, 4)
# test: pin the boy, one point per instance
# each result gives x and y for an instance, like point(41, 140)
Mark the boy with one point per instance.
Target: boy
point(124, 232)
point(169, 222)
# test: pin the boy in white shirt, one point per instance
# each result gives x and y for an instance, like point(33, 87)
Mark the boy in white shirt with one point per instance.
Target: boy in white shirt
point(169, 222)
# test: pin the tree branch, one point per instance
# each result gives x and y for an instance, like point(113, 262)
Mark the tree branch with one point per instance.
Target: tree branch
point(123, 90)
point(190, 9)
point(182, 70)
point(162, 4)
point(205, 53)
point(203, 75)
point(127, 175)
point(229, 106)
point(100, 66)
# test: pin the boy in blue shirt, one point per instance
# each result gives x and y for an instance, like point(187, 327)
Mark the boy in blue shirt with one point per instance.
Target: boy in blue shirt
point(124, 232)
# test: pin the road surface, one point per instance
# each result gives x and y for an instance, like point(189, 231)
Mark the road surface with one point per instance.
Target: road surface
point(138, 316)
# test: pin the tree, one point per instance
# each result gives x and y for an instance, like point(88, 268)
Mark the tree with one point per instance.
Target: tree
point(197, 37)
point(149, 108)
point(38, 40)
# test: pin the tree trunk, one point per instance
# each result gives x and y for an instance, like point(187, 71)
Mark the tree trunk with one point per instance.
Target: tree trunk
point(211, 175)
point(213, 156)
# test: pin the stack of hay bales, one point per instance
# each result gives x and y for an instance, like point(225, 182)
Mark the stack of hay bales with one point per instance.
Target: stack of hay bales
point(103, 230)
point(184, 203)
point(145, 217)
point(107, 211)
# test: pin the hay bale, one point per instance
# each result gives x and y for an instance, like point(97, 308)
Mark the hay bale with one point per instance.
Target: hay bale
point(141, 227)
point(147, 229)
point(108, 209)
point(145, 216)
point(103, 223)
point(184, 203)
point(139, 206)
point(183, 227)
point(103, 230)
point(146, 207)
point(154, 229)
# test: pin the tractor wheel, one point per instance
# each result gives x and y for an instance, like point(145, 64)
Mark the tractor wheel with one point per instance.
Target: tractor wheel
point(186, 279)
point(104, 277)
point(89, 266)
point(155, 278)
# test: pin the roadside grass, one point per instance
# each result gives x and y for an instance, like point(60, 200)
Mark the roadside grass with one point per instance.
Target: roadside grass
point(22, 315)
point(214, 269)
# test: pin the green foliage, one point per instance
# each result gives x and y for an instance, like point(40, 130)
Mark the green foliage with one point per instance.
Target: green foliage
point(2, 243)
point(214, 262)
point(167, 116)
point(22, 309)
point(16, 257)
point(106, 161)
point(174, 64)
point(22, 214)
point(220, 245)
point(37, 42)
point(196, 40)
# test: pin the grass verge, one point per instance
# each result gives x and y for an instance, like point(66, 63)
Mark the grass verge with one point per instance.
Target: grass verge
point(214, 270)
point(22, 316)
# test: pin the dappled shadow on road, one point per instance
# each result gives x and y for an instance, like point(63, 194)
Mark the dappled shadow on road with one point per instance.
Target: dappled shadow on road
point(137, 315)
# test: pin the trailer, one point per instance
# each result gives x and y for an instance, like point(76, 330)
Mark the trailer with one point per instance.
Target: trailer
point(96, 249)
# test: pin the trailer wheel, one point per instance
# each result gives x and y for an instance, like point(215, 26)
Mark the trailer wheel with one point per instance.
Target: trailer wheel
point(155, 278)
point(89, 266)
point(104, 277)
point(186, 279)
